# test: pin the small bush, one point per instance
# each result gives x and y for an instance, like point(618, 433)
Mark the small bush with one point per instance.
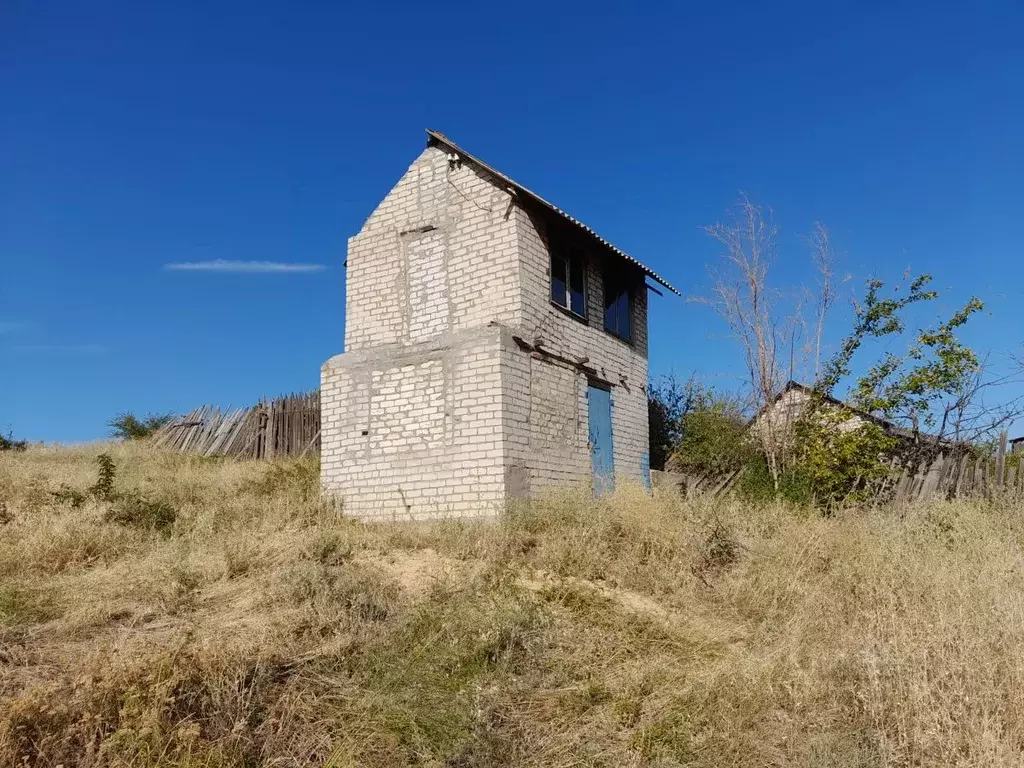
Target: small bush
point(103, 489)
point(714, 442)
point(128, 426)
point(327, 549)
point(719, 551)
point(73, 497)
point(8, 443)
point(833, 465)
point(129, 508)
point(137, 511)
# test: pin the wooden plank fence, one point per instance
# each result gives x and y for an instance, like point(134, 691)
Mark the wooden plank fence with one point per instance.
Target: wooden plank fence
point(290, 425)
point(960, 475)
point(286, 426)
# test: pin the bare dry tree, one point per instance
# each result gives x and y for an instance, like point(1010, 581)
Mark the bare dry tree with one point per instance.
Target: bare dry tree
point(767, 324)
point(969, 416)
point(742, 298)
point(820, 242)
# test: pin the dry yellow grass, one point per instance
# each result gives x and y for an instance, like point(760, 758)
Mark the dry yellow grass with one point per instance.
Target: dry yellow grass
point(263, 628)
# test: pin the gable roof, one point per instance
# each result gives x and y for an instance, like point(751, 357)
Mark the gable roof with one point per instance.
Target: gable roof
point(435, 138)
point(891, 428)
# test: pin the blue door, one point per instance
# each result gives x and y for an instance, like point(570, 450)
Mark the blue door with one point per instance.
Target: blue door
point(599, 403)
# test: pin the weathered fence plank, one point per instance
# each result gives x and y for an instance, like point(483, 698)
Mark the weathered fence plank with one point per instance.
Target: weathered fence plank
point(1001, 460)
point(286, 426)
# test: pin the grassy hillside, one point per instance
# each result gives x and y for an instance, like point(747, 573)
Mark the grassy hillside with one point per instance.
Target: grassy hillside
point(206, 613)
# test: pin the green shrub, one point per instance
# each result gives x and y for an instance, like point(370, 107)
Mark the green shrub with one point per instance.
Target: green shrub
point(327, 549)
point(8, 443)
point(127, 426)
point(714, 442)
point(127, 507)
point(65, 494)
point(832, 465)
point(668, 401)
point(135, 510)
point(104, 487)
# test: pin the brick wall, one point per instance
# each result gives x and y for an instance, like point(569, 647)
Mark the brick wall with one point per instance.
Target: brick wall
point(412, 410)
point(415, 434)
point(437, 255)
point(621, 364)
point(434, 409)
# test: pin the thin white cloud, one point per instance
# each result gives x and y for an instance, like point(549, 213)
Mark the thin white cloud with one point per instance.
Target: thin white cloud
point(82, 349)
point(10, 326)
point(253, 267)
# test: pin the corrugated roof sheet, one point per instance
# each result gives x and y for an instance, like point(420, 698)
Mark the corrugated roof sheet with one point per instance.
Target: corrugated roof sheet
point(440, 138)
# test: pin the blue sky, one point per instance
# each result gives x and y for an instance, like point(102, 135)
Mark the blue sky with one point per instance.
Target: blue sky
point(138, 135)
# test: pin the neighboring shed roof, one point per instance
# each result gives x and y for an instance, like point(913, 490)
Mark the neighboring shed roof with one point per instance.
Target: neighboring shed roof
point(440, 138)
point(893, 429)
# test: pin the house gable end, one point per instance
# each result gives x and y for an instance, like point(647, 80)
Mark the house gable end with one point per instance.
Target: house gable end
point(437, 255)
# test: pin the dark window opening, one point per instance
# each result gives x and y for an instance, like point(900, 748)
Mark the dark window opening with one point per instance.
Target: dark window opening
point(618, 305)
point(567, 280)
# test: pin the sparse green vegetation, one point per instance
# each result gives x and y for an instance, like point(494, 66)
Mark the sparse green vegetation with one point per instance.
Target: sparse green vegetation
point(932, 394)
point(128, 426)
point(822, 456)
point(263, 627)
point(127, 507)
point(8, 443)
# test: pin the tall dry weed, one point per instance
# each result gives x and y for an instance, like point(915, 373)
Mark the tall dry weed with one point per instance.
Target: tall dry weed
point(262, 627)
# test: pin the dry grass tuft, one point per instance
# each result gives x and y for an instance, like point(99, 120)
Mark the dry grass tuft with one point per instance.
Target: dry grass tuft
point(219, 613)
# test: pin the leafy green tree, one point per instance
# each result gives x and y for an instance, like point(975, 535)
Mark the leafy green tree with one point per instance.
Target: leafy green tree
point(876, 318)
point(921, 388)
point(836, 457)
point(927, 389)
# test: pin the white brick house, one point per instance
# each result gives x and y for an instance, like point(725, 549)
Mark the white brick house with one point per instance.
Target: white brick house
point(494, 347)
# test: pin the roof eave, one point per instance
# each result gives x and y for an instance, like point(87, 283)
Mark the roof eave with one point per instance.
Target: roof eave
point(434, 137)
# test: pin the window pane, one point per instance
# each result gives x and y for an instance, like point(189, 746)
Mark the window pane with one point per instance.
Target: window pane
point(623, 314)
point(576, 289)
point(616, 307)
point(609, 307)
point(558, 286)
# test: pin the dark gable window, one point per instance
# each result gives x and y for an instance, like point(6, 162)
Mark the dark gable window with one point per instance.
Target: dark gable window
point(567, 283)
point(617, 305)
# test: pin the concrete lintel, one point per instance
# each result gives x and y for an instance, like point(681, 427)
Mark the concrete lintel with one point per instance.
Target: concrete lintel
point(410, 354)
